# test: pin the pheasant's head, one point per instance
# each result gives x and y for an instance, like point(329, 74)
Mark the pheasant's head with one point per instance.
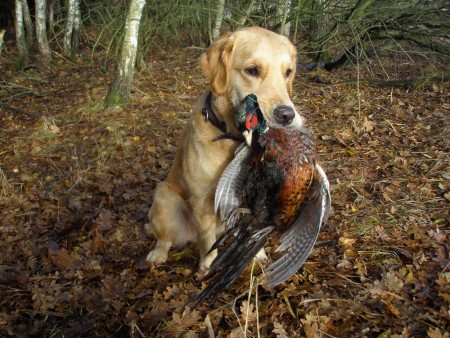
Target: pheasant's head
point(249, 118)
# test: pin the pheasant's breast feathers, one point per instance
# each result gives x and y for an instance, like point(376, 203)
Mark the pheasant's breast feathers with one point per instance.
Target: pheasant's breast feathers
point(293, 192)
point(290, 151)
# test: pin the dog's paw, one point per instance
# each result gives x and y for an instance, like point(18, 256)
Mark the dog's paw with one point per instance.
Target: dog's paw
point(205, 262)
point(200, 275)
point(160, 253)
point(157, 256)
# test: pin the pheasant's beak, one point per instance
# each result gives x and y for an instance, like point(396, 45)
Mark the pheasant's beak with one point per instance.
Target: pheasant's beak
point(248, 134)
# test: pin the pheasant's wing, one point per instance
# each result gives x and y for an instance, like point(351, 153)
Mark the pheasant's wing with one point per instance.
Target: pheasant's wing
point(229, 188)
point(302, 235)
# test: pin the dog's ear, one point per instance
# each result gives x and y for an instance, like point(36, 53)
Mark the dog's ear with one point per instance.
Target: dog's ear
point(293, 52)
point(216, 61)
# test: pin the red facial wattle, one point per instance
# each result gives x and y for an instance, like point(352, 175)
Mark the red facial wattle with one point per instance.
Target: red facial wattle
point(251, 121)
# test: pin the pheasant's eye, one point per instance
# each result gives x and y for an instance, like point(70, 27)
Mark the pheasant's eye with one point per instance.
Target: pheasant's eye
point(251, 121)
point(252, 71)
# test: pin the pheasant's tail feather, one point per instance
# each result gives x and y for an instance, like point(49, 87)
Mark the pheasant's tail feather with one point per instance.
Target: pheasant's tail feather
point(234, 256)
point(231, 227)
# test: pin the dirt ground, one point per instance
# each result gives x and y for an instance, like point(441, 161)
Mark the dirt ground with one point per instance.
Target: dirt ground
point(77, 182)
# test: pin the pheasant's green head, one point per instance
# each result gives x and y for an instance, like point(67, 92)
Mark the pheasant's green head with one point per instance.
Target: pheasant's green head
point(249, 118)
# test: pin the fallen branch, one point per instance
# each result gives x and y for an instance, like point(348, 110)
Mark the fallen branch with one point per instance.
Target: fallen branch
point(400, 83)
point(351, 55)
point(17, 110)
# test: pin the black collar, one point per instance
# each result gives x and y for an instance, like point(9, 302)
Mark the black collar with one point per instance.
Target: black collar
point(209, 115)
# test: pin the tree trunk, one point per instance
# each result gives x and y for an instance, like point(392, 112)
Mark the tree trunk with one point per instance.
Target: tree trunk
point(76, 28)
point(20, 35)
point(54, 10)
point(2, 34)
point(29, 29)
point(318, 28)
point(51, 14)
point(283, 12)
point(41, 30)
point(119, 89)
point(248, 10)
point(67, 44)
point(219, 17)
point(72, 32)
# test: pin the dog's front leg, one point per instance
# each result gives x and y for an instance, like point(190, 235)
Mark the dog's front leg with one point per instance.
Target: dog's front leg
point(207, 225)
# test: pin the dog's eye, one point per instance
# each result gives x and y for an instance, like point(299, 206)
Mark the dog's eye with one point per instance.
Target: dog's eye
point(288, 73)
point(252, 71)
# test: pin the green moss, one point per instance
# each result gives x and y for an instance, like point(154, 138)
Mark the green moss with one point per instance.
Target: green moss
point(115, 99)
point(19, 64)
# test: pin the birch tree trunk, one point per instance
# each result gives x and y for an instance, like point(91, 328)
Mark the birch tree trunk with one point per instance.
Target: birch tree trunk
point(54, 10)
point(41, 30)
point(119, 90)
point(76, 28)
point(284, 9)
point(29, 29)
point(2, 34)
point(51, 14)
point(72, 32)
point(318, 29)
point(67, 44)
point(20, 35)
point(248, 10)
point(219, 17)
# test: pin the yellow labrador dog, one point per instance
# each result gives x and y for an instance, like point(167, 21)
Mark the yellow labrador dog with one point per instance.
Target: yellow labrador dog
point(250, 60)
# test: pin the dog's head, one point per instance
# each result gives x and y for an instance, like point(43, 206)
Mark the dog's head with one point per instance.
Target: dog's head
point(256, 61)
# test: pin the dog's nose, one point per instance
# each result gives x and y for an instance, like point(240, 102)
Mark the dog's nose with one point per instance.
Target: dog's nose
point(284, 115)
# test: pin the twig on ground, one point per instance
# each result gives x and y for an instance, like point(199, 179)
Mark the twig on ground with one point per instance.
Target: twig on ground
point(17, 110)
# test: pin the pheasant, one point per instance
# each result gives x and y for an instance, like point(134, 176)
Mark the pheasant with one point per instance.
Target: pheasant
point(272, 186)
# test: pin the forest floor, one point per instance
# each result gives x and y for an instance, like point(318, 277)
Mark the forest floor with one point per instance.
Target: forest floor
point(77, 182)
